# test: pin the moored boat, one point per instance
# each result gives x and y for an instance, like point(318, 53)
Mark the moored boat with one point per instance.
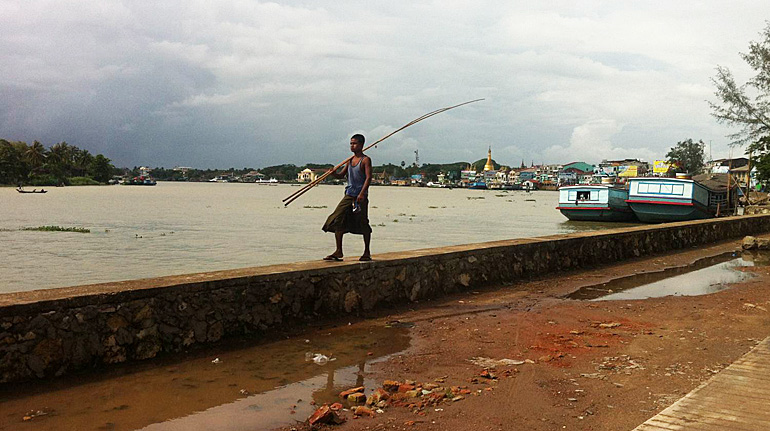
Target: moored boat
point(660, 200)
point(141, 180)
point(595, 202)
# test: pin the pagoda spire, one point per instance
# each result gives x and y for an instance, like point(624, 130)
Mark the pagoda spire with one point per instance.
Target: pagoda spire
point(489, 166)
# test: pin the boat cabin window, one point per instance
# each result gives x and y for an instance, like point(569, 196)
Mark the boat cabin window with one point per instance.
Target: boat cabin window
point(584, 196)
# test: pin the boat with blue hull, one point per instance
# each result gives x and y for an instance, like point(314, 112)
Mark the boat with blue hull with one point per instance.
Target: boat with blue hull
point(660, 200)
point(595, 202)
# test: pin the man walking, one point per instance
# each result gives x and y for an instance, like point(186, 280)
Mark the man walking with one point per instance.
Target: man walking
point(352, 213)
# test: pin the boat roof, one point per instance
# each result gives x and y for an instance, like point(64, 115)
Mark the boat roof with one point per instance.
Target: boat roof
point(586, 186)
point(714, 182)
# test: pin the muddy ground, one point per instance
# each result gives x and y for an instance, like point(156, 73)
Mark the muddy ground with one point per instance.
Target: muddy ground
point(606, 365)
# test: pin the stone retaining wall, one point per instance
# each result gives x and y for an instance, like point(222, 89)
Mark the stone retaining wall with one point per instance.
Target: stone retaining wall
point(51, 332)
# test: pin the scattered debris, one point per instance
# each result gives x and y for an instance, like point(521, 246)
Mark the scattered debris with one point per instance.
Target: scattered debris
point(492, 363)
point(749, 305)
point(609, 325)
point(344, 394)
point(325, 415)
point(318, 358)
point(33, 414)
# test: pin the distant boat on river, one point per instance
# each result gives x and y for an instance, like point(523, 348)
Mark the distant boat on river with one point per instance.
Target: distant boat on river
point(270, 182)
point(140, 181)
point(20, 190)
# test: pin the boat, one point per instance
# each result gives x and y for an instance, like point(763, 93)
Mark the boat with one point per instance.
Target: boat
point(270, 182)
point(479, 185)
point(595, 202)
point(20, 190)
point(660, 200)
point(141, 180)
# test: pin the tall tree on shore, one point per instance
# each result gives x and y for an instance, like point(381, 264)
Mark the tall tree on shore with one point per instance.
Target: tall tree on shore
point(747, 105)
point(100, 168)
point(82, 161)
point(688, 155)
point(60, 161)
point(36, 155)
point(12, 165)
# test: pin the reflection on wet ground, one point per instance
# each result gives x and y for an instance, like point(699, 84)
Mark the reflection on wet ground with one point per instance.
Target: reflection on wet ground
point(257, 387)
point(702, 277)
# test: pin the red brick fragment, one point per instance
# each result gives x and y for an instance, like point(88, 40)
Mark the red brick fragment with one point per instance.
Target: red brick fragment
point(344, 394)
point(324, 415)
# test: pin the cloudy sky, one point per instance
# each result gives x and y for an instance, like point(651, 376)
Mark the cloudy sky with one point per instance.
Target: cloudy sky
point(238, 83)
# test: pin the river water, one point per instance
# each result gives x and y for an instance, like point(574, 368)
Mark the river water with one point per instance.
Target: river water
point(178, 228)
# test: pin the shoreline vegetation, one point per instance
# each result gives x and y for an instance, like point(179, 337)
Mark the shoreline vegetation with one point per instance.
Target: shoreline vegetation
point(60, 165)
point(57, 229)
point(50, 229)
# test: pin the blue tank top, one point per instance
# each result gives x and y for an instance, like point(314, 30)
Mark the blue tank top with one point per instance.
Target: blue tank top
point(356, 178)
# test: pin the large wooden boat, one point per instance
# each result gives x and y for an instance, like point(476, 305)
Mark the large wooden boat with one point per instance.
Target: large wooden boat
point(595, 202)
point(660, 200)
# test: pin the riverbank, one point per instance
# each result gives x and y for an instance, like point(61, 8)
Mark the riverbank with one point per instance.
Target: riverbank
point(252, 385)
point(606, 366)
point(54, 332)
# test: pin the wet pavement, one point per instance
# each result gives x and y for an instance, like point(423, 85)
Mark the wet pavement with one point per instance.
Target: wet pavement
point(234, 388)
point(704, 276)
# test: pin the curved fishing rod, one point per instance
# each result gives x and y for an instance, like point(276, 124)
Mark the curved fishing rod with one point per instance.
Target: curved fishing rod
point(289, 199)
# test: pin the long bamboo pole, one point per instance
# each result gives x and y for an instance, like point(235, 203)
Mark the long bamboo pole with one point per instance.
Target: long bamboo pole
point(291, 198)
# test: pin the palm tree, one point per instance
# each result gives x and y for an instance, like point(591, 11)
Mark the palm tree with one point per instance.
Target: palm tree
point(83, 160)
point(60, 161)
point(36, 155)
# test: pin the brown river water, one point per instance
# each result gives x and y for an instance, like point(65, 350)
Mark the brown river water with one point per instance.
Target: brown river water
point(178, 228)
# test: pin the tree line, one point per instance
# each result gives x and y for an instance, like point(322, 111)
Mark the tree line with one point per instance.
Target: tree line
point(61, 164)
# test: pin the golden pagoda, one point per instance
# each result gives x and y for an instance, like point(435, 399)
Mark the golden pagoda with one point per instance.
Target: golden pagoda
point(489, 166)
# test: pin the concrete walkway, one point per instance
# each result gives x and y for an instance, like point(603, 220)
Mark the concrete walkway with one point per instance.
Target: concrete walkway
point(738, 398)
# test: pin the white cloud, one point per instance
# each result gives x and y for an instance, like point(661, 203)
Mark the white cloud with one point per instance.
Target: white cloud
point(592, 142)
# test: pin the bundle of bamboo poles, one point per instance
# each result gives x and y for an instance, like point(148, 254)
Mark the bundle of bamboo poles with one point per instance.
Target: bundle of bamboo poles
point(291, 198)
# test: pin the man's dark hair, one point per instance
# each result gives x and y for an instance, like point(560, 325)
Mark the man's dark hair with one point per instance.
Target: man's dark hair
point(359, 137)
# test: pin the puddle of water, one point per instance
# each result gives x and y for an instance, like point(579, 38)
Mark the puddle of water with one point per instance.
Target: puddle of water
point(702, 277)
point(248, 388)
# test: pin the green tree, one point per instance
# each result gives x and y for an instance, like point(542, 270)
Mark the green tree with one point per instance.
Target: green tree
point(82, 160)
point(12, 165)
point(59, 162)
point(35, 156)
point(688, 155)
point(747, 105)
point(100, 168)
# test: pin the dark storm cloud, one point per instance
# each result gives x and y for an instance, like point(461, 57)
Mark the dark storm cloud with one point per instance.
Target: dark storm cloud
point(246, 83)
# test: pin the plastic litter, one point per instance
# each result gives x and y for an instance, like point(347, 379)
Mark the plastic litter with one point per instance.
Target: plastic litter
point(318, 358)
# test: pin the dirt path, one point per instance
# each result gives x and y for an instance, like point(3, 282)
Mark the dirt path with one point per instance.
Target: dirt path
point(606, 365)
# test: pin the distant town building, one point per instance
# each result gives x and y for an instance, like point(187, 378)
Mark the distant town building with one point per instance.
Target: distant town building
point(722, 166)
point(308, 175)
